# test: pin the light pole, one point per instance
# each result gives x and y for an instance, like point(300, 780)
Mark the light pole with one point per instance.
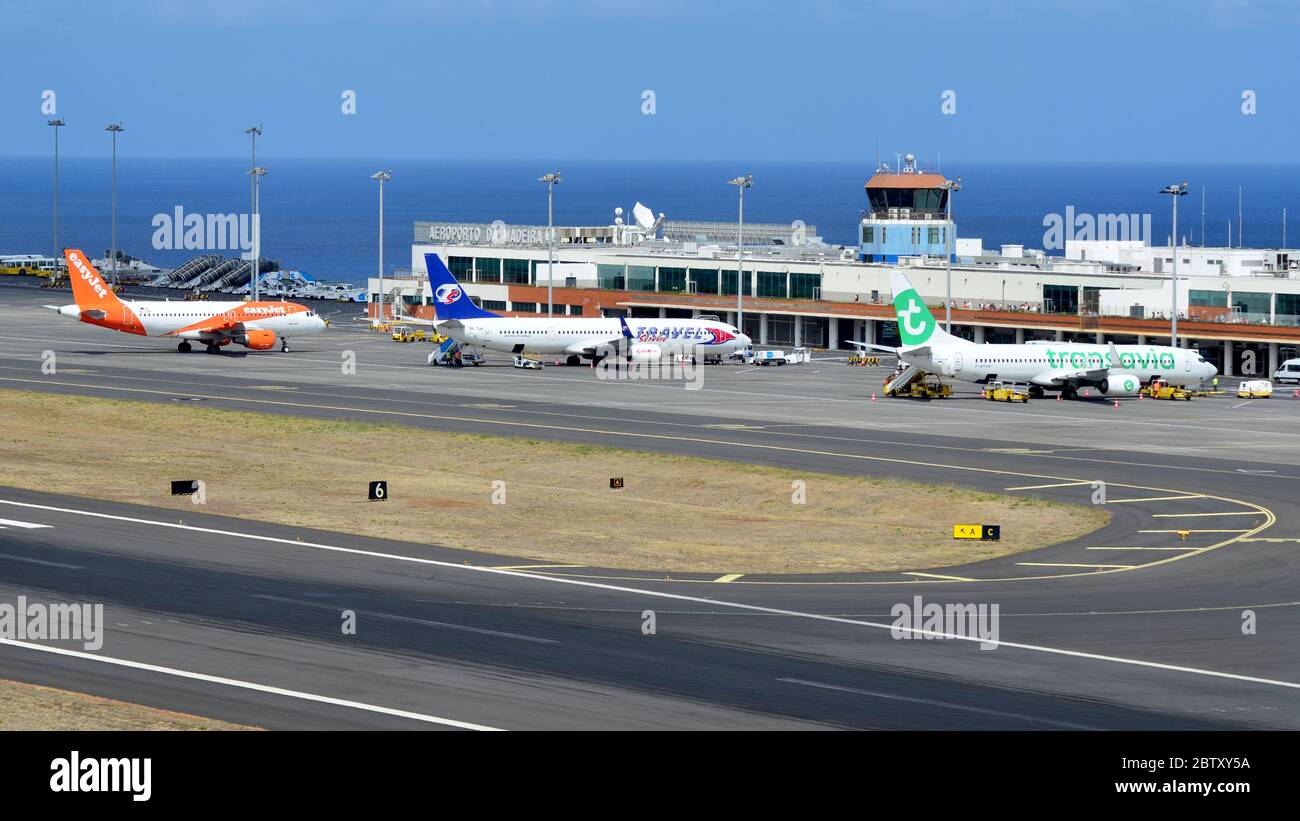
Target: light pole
point(58, 251)
point(952, 187)
point(115, 128)
point(552, 179)
point(741, 183)
point(383, 177)
point(254, 132)
point(1175, 191)
point(257, 173)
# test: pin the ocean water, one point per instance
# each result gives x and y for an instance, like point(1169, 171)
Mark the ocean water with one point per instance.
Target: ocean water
point(321, 216)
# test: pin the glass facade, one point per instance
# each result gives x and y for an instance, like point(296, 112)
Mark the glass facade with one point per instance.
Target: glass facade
point(813, 332)
point(1250, 303)
point(515, 272)
point(494, 305)
point(525, 307)
point(489, 269)
point(705, 280)
point(672, 279)
point(1288, 304)
point(610, 276)
point(640, 278)
point(461, 268)
point(1207, 299)
point(1061, 299)
point(771, 284)
point(920, 200)
point(805, 286)
point(729, 283)
point(780, 330)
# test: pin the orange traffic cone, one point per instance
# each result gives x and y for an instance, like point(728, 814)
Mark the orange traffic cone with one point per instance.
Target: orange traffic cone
point(873, 397)
point(1058, 397)
point(1116, 404)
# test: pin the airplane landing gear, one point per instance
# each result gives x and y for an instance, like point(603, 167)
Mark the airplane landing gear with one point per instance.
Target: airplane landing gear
point(1069, 393)
point(284, 345)
point(212, 348)
point(184, 347)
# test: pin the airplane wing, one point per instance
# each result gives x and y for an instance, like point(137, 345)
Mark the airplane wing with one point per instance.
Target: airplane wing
point(407, 319)
point(870, 346)
point(216, 324)
point(1057, 378)
point(589, 347)
point(1052, 378)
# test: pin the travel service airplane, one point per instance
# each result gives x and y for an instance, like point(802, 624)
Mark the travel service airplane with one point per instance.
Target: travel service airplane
point(576, 338)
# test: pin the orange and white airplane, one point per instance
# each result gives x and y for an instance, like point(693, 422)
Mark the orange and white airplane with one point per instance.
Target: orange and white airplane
point(255, 325)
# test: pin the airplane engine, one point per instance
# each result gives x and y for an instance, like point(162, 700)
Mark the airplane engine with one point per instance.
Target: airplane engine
point(1121, 384)
point(645, 354)
point(258, 340)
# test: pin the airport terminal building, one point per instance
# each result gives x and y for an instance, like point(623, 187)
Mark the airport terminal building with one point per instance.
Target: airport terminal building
point(1239, 306)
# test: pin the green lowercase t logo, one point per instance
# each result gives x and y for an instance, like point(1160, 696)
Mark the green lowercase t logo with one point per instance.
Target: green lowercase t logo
point(915, 323)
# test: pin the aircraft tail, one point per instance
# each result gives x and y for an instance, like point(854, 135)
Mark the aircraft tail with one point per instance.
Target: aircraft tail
point(89, 289)
point(449, 299)
point(916, 325)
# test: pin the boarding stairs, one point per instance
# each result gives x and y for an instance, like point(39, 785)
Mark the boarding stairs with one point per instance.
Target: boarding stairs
point(900, 382)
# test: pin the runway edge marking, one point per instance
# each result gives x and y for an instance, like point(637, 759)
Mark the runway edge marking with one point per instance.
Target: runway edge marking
point(1269, 520)
point(658, 594)
point(247, 685)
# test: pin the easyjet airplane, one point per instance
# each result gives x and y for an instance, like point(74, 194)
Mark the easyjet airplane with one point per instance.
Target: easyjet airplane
point(255, 325)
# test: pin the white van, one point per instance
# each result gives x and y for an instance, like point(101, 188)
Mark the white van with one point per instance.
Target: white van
point(1289, 372)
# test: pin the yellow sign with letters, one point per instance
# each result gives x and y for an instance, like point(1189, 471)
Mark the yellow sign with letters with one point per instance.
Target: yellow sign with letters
point(987, 533)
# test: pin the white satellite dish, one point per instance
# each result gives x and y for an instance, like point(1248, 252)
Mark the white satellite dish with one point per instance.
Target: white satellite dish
point(645, 218)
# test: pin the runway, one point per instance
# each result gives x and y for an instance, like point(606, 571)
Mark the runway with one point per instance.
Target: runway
point(1135, 626)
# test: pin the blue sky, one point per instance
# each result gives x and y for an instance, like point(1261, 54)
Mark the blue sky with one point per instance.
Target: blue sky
point(1101, 80)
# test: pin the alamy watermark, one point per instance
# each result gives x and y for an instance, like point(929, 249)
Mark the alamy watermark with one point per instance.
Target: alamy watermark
point(181, 231)
point(921, 620)
point(54, 621)
point(651, 361)
point(1062, 228)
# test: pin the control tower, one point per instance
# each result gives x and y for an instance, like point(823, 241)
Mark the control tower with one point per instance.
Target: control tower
point(905, 216)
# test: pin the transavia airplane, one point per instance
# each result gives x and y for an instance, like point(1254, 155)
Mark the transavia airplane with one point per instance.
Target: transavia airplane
point(1062, 366)
point(575, 338)
point(255, 325)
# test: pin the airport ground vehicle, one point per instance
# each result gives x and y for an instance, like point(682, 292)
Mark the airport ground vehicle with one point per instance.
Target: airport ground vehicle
point(913, 383)
point(451, 353)
point(1000, 391)
point(1255, 389)
point(769, 358)
point(1160, 389)
point(527, 363)
point(799, 355)
point(1288, 372)
point(401, 333)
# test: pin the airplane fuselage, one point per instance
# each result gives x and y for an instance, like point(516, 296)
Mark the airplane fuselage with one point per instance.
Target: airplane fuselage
point(573, 336)
point(165, 318)
point(1052, 364)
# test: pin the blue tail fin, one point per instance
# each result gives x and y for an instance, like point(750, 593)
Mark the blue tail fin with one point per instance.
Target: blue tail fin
point(449, 299)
